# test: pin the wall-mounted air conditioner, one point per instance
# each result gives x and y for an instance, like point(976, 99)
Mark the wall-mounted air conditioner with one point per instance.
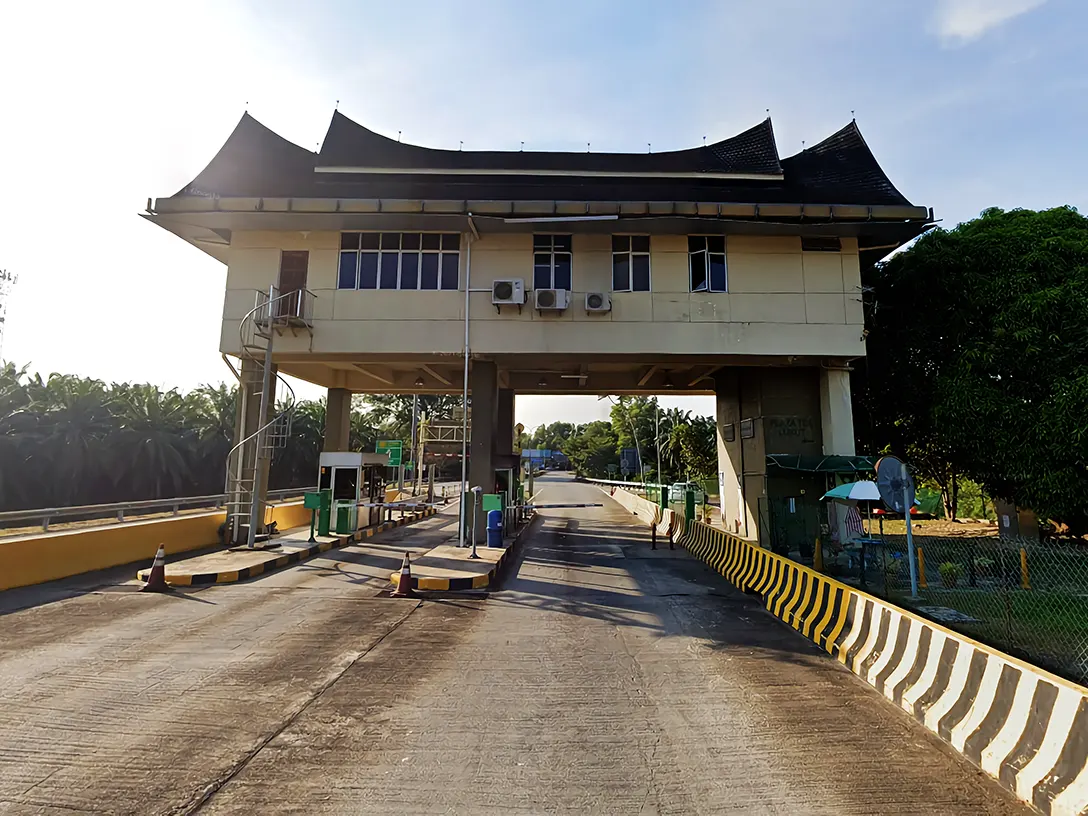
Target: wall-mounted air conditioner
point(508, 292)
point(598, 302)
point(552, 299)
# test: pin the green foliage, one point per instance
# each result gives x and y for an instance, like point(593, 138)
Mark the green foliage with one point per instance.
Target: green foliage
point(976, 359)
point(69, 440)
point(950, 573)
point(697, 443)
point(593, 448)
point(550, 437)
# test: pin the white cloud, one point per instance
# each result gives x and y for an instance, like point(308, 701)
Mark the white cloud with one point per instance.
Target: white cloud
point(961, 21)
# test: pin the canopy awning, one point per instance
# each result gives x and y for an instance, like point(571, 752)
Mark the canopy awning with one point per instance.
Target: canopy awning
point(821, 464)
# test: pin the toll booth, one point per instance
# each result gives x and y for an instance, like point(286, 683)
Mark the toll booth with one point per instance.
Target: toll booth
point(353, 478)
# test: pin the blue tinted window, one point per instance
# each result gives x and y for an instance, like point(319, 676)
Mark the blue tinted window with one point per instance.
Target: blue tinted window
point(409, 270)
point(368, 270)
point(349, 271)
point(640, 273)
point(621, 272)
point(717, 273)
point(388, 279)
point(428, 278)
point(449, 270)
point(562, 272)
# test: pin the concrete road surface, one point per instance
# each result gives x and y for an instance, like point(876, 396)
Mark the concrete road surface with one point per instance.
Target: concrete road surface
point(603, 678)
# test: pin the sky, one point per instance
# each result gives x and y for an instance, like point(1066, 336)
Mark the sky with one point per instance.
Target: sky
point(967, 104)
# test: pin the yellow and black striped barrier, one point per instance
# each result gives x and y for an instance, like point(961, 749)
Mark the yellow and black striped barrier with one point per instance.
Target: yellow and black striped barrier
point(1024, 726)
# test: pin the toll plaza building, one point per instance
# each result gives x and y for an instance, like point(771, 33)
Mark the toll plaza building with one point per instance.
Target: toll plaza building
point(376, 266)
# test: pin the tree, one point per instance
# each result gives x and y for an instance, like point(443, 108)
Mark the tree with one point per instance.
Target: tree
point(698, 446)
point(593, 448)
point(551, 437)
point(392, 413)
point(976, 358)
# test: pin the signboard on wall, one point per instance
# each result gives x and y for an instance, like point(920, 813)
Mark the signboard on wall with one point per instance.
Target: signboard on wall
point(629, 460)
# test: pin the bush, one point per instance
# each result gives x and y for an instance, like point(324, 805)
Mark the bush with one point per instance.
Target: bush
point(950, 572)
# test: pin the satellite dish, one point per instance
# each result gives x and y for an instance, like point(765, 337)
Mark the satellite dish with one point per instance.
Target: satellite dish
point(895, 485)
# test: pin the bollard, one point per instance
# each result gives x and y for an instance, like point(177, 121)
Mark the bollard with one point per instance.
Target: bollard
point(922, 570)
point(1025, 579)
point(818, 556)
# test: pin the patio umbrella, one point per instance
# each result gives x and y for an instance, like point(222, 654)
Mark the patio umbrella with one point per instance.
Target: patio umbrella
point(854, 491)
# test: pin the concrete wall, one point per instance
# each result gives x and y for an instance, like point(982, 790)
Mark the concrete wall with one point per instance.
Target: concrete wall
point(27, 560)
point(780, 301)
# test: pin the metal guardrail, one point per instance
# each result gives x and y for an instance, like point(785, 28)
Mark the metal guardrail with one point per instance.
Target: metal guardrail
point(89, 512)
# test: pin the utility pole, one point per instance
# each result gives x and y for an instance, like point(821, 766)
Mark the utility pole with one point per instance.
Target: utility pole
point(657, 439)
point(412, 443)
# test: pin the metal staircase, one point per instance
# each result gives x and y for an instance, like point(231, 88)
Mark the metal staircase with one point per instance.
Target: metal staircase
point(247, 462)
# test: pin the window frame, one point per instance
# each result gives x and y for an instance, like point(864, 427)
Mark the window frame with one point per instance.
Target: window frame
point(552, 252)
point(401, 252)
point(706, 253)
point(630, 253)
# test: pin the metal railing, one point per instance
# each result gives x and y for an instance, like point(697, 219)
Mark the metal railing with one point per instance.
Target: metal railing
point(116, 512)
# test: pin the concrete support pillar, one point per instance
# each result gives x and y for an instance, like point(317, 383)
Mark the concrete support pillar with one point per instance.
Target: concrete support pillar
point(836, 412)
point(504, 422)
point(741, 456)
point(337, 420)
point(483, 387)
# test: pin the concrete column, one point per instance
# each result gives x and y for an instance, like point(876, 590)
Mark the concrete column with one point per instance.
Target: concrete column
point(727, 414)
point(483, 387)
point(742, 465)
point(337, 420)
point(504, 422)
point(836, 412)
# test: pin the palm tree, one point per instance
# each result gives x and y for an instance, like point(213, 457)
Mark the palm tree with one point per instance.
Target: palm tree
point(153, 439)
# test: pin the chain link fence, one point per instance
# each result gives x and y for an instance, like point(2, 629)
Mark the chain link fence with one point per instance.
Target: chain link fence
point(1026, 597)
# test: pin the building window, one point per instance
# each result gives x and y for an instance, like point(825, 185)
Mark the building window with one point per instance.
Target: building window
point(706, 261)
point(551, 262)
point(630, 263)
point(399, 260)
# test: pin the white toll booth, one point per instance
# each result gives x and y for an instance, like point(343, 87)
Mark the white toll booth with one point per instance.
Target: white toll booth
point(352, 477)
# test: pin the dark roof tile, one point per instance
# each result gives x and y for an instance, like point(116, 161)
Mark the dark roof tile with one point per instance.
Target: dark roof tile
point(349, 144)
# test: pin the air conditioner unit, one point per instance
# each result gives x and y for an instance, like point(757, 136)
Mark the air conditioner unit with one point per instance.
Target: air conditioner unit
point(598, 302)
point(509, 291)
point(552, 299)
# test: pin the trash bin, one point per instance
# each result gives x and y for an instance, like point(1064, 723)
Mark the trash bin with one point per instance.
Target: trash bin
point(343, 519)
point(494, 528)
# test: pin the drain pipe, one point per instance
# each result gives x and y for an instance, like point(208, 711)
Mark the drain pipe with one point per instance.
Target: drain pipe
point(464, 391)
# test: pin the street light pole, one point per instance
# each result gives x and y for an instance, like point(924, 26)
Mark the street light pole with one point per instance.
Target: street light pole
point(657, 439)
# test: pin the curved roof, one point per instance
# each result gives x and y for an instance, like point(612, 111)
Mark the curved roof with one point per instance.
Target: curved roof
point(838, 169)
point(349, 144)
point(256, 162)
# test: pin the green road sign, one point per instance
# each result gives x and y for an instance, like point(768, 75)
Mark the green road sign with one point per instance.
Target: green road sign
point(395, 449)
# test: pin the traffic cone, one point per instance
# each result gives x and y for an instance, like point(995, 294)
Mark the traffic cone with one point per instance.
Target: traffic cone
point(404, 583)
point(156, 581)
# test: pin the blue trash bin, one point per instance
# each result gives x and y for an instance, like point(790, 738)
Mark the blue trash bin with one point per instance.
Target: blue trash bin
point(494, 528)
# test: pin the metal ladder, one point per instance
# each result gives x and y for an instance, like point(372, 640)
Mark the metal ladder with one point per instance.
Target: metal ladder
point(246, 461)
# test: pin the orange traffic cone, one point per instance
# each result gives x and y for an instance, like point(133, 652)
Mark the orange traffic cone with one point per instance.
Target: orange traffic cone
point(156, 581)
point(404, 583)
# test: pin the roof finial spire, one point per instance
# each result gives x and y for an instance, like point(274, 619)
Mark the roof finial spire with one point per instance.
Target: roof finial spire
point(398, 135)
point(649, 148)
point(802, 145)
point(337, 105)
point(853, 118)
point(587, 147)
point(768, 112)
point(523, 144)
point(704, 141)
point(247, 106)
point(460, 144)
